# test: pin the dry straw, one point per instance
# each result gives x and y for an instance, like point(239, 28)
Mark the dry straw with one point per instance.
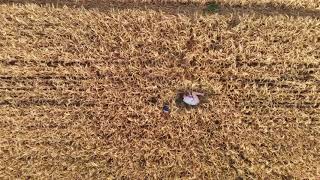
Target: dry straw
point(81, 94)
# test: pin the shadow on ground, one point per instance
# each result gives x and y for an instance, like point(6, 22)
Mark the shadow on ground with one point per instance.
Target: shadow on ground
point(268, 9)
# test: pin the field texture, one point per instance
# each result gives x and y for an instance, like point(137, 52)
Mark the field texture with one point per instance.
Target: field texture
point(81, 91)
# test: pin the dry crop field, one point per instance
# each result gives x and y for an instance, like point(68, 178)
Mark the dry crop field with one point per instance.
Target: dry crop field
point(82, 85)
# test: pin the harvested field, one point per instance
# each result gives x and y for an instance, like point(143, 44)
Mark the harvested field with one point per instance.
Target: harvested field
point(82, 89)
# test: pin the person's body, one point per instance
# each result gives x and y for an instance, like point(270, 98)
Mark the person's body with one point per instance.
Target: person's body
point(192, 98)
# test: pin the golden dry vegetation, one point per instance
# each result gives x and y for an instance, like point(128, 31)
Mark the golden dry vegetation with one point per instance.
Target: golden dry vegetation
point(81, 93)
point(251, 3)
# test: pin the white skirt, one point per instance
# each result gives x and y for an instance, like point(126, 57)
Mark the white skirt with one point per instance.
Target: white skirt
point(191, 100)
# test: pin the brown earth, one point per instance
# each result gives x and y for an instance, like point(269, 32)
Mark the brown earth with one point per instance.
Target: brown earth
point(82, 88)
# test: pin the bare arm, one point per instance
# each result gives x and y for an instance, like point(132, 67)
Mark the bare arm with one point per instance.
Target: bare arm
point(197, 94)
